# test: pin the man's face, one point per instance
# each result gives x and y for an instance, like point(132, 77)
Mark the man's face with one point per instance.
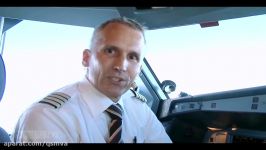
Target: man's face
point(115, 59)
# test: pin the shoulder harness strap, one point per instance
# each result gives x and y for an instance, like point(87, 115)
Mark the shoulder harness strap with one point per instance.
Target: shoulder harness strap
point(138, 96)
point(56, 99)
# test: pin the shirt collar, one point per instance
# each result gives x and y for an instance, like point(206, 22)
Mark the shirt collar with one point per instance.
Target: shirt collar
point(95, 100)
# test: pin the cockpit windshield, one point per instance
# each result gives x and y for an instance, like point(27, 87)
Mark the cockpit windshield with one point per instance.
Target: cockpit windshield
point(204, 60)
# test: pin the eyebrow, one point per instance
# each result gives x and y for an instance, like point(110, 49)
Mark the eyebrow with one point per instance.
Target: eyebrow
point(111, 46)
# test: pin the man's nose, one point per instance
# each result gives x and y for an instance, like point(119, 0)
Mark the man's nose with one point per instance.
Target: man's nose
point(121, 64)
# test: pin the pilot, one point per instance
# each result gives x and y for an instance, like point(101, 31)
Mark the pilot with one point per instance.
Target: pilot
point(101, 108)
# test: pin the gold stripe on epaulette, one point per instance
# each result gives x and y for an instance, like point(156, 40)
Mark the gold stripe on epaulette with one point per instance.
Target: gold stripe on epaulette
point(54, 103)
point(62, 95)
point(56, 99)
point(141, 97)
point(138, 96)
point(134, 92)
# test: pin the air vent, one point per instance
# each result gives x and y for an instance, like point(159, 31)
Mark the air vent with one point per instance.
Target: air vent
point(255, 99)
point(209, 24)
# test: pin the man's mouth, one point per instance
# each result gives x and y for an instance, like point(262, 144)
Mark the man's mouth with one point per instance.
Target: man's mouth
point(116, 79)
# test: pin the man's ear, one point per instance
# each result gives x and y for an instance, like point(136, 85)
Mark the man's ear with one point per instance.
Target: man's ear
point(86, 57)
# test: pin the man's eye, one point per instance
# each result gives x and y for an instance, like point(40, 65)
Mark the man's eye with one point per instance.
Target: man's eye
point(109, 50)
point(133, 57)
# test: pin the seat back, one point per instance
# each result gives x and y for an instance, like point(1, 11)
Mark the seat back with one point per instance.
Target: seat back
point(2, 77)
point(4, 137)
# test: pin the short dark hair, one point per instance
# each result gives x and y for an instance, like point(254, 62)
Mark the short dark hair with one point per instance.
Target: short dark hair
point(123, 20)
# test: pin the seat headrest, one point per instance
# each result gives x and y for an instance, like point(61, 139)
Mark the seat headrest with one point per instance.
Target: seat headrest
point(2, 77)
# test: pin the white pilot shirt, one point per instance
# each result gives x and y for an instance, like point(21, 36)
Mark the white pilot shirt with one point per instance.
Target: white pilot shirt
point(81, 118)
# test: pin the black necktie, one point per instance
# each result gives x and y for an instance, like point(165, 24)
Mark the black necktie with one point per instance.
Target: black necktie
point(115, 127)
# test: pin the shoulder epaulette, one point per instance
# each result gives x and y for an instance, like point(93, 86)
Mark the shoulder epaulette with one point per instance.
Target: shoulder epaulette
point(56, 99)
point(138, 96)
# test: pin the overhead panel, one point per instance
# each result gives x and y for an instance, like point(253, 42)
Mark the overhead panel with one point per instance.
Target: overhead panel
point(79, 16)
point(151, 17)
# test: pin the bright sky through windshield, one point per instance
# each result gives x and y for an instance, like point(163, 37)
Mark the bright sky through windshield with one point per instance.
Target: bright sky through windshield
point(204, 60)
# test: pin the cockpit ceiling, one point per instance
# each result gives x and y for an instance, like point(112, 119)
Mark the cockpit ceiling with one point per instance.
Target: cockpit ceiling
point(150, 17)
